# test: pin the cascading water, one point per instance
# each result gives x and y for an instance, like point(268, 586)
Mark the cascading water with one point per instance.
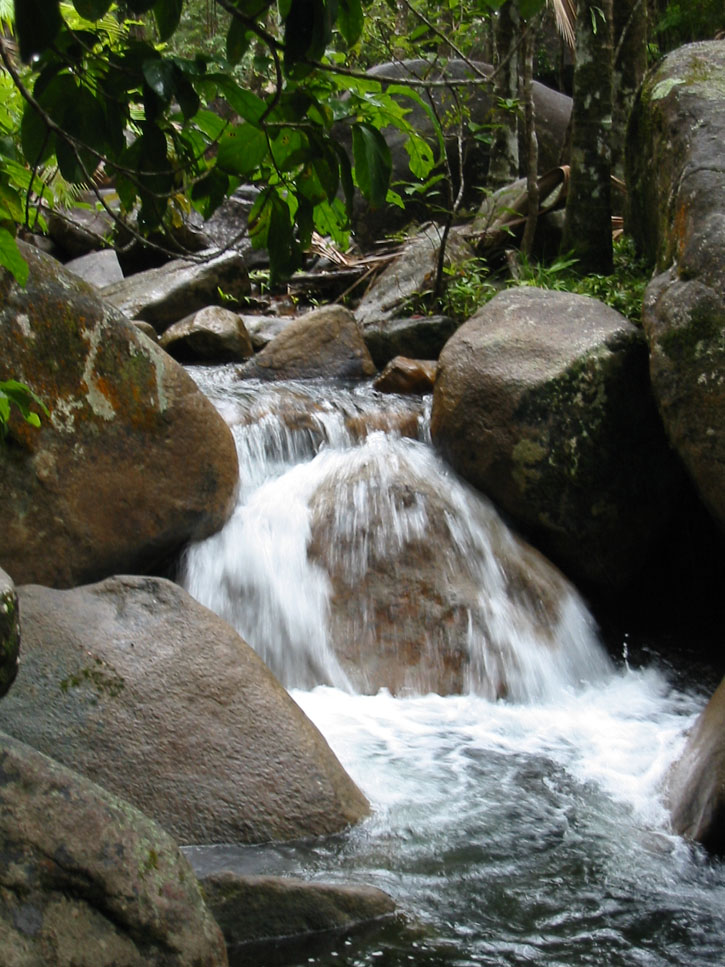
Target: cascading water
point(530, 829)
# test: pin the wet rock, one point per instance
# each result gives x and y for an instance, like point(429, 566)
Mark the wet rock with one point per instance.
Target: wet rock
point(98, 268)
point(78, 231)
point(542, 402)
point(410, 276)
point(9, 632)
point(696, 783)
point(254, 909)
point(89, 881)
point(430, 591)
point(133, 461)
point(148, 693)
point(403, 375)
point(676, 181)
point(171, 292)
point(323, 343)
point(212, 335)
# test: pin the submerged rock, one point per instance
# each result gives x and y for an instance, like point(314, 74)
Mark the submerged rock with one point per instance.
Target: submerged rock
point(542, 402)
point(143, 690)
point(132, 462)
point(89, 881)
point(403, 375)
point(262, 910)
point(696, 782)
point(676, 187)
point(323, 343)
point(9, 632)
point(430, 592)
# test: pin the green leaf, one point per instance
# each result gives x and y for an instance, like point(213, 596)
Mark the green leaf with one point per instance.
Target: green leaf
point(185, 94)
point(36, 139)
point(11, 258)
point(238, 40)
point(242, 149)
point(308, 29)
point(92, 9)
point(527, 8)
point(247, 105)
point(36, 24)
point(159, 75)
point(208, 194)
point(167, 14)
point(140, 6)
point(270, 227)
point(350, 20)
point(372, 163)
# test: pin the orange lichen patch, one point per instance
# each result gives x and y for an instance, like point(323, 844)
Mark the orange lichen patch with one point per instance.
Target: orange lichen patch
point(680, 228)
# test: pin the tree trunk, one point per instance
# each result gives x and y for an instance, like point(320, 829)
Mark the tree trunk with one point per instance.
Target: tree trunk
point(532, 145)
point(503, 167)
point(588, 222)
point(629, 64)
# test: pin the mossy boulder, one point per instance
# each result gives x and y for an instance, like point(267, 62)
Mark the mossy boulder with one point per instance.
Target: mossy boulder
point(131, 463)
point(676, 181)
point(542, 401)
point(145, 691)
point(86, 880)
point(9, 632)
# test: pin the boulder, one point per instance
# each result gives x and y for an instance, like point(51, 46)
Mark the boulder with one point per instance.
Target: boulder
point(542, 401)
point(323, 343)
point(143, 690)
point(409, 277)
point(211, 335)
point(263, 910)
point(676, 181)
point(417, 337)
point(170, 292)
point(133, 461)
point(9, 632)
point(430, 591)
point(553, 111)
point(89, 881)
point(696, 782)
point(78, 231)
point(98, 268)
point(403, 375)
point(263, 329)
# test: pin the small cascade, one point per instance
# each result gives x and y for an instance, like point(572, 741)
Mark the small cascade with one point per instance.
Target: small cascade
point(354, 558)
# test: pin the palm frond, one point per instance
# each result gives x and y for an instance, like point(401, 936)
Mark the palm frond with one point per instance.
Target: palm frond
point(565, 14)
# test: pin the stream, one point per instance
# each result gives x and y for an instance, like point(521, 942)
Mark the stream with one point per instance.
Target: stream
point(520, 821)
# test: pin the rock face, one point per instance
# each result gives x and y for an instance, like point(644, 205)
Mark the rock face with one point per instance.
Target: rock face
point(696, 783)
point(9, 632)
point(89, 881)
point(542, 402)
point(146, 692)
point(254, 909)
point(323, 343)
point(133, 461)
point(166, 294)
point(417, 337)
point(676, 182)
point(212, 335)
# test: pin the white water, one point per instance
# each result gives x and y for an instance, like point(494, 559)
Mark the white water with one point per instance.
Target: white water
point(517, 831)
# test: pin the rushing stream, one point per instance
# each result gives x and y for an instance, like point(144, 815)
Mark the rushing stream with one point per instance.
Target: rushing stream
point(521, 829)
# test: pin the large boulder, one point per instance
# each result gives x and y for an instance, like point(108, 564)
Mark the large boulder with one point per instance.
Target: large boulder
point(431, 592)
point(323, 343)
point(211, 335)
point(87, 880)
point(148, 693)
point(132, 462)
point(542, 402)
point(170, 292)
point(676, 182)
point(696, 782)
point(9, 632)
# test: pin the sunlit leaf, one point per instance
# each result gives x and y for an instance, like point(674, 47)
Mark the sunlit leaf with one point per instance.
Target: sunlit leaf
point(11, 258)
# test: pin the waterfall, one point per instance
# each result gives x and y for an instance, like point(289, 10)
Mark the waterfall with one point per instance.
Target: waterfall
point(355, 558)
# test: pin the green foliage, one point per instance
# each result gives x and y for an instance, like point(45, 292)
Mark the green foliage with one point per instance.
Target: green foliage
point(13, 393)
point(101, 94)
